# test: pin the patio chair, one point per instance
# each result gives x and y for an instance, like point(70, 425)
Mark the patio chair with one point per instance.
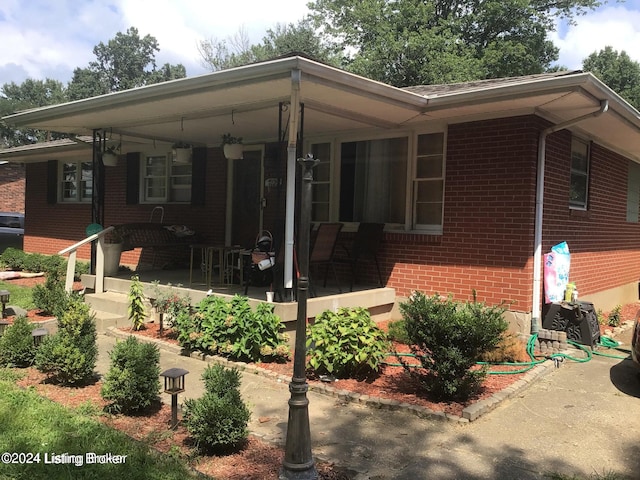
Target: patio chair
point(364, 247)
point(322, 251)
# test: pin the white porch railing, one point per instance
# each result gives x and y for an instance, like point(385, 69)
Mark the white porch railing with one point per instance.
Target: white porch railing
point(71, 263)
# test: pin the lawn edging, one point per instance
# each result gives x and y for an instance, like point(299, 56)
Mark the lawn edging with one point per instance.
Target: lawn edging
point(469, 413)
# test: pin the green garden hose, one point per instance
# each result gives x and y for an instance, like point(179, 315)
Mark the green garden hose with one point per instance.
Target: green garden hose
point(605, 342)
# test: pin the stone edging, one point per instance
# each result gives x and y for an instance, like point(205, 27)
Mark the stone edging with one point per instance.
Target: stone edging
point(469, 414)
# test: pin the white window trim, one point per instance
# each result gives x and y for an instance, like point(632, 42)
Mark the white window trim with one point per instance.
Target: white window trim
point(60, 182)
point(168, 154)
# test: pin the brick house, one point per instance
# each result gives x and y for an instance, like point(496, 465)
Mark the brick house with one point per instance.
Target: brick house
point(12, 183)
point(473, 181)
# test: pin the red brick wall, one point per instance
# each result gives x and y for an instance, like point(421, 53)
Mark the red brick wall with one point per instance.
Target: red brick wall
point(488, 219)
point(605, 248)
point(12, 183)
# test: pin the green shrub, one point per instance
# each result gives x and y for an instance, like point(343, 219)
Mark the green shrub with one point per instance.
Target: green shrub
point(614, 316)
point(51, 296)
point(16, 345)
point(218, 420)
point(132, 382)
point(13, 259)
point(449, 338)
point(136, 309)
point(233, 329)
point(69, 356)
point(398, 332)
point(37, 262)
point(346, 343)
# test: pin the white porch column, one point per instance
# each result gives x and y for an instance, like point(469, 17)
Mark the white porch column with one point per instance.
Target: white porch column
point(291, 180)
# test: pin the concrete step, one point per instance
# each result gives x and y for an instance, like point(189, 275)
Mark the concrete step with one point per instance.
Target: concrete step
point(111, 302)
point(105, 320)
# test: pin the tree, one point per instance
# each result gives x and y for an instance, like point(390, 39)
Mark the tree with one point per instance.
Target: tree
point(409, 42)
point(618, 71)
point(126, 61)
point(29, 94)
point(283, 39)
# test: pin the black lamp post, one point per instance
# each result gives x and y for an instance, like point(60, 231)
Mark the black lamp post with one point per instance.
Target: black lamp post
point(4, 299)
point(173, 385)
point(298, 461)
point(3, 326)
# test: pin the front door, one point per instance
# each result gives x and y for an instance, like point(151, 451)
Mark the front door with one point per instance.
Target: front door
point(246, 201)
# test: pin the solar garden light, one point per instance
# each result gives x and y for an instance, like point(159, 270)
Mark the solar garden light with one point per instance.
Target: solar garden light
point(3, 326)
point(4, 299)
point(38, 334)
point(173, 385)
point(298, 461)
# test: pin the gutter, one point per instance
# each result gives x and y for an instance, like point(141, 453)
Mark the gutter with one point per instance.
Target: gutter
point(537, 242)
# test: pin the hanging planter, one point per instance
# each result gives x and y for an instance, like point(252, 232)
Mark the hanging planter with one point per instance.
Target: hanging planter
point(232, 146)
point(110, 157)
point(181, 153)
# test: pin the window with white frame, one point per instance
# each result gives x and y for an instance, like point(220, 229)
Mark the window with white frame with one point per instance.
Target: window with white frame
point(76, 181)
point(373, 180)
point(428, 184)
point(165, 181)
point(579, 188)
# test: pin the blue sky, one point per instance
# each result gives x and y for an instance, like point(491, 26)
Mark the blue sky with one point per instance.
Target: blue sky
point(49, 38)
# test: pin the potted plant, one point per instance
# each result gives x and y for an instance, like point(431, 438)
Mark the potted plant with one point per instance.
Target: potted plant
point(181, 152)
point(232, 146)
point(110, 156)
point(112, 248)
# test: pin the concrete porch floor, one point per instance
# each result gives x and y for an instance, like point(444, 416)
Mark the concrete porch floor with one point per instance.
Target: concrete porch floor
point(379, 301)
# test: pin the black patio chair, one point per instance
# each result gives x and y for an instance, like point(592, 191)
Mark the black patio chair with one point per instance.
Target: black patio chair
point(322, 251)
point(364, 247)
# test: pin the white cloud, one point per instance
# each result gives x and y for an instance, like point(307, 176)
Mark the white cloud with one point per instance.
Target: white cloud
point(44, 38)
point(617, 26)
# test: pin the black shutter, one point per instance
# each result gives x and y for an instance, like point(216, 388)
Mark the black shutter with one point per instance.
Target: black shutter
point(52, 182)
point(198, 175)
point(133, 178)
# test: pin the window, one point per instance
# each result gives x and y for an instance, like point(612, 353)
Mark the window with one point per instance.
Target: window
point(633, 192)
point(76, 181)
point(373, 179)
point(428, 185)
point(579, 190)
point(321, 184)
point(165, 181)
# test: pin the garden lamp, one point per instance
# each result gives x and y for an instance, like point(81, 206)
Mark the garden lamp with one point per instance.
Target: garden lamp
point(38, 334)
point(3, 326)
point(4, 299)
point(173, 385)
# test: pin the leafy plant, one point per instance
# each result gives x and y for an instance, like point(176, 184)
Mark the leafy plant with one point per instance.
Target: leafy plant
point(614, 316)
point(132, 382)
point(13, 258)
point(346, 343)
point(398, 332)
point(449, 337)
point(70, 355)
point(16, 344)
point(51, 296)
point(509, 349)
point(169, 302)
point(228, 139)
point(218, 420)
point(137, 311)
point(602, 320)
point(233, 329)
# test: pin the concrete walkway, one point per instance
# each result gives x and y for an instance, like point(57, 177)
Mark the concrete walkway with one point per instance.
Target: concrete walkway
point(581, 419)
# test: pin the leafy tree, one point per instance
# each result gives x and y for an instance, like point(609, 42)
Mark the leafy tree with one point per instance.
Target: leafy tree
point(409, 42)
point(126, 61)
point(237, 50)
point(618, 71)
point(29, 94)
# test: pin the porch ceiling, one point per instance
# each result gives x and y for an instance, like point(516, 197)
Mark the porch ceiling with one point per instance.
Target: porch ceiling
point(245, 102)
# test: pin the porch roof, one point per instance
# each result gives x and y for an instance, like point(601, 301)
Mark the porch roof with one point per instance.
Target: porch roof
point(244, 101)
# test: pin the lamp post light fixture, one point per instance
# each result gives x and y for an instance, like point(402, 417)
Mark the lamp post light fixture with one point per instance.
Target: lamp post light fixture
point(3, 326)
point(173, 385)
point(4, 299)
point(298, 461)
point(38, 334)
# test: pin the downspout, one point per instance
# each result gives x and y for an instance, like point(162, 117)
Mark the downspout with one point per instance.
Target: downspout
point(291, 180)
point(537, 242)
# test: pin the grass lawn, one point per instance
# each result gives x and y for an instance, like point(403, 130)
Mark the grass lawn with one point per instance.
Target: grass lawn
point(30, 424)
point(19, 296)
